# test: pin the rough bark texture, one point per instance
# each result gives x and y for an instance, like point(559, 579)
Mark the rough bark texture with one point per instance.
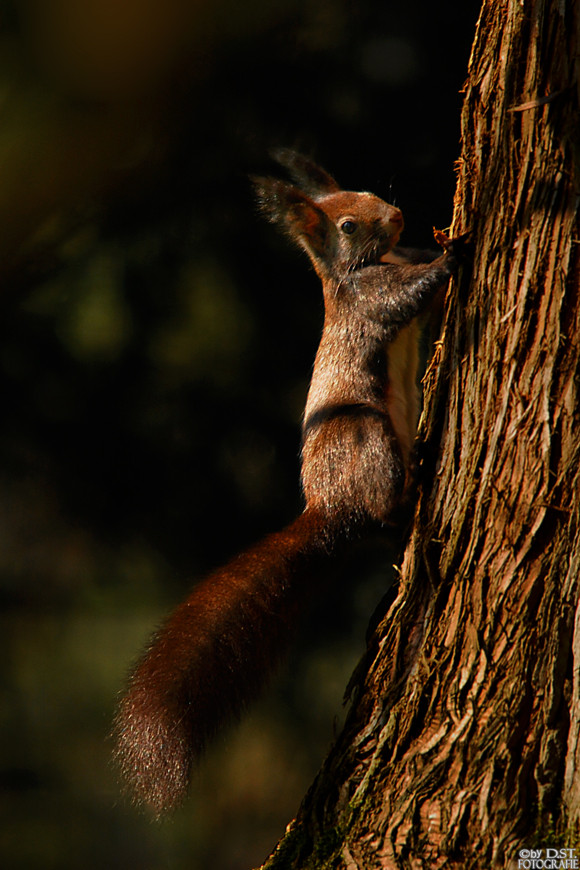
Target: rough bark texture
point(462, 745)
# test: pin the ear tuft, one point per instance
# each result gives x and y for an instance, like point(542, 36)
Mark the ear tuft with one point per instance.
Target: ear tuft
point(306, 174)
point(270, 197)
point(301, 217)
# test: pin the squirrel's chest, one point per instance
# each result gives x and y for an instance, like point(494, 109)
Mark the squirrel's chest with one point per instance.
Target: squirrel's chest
point(402, 393)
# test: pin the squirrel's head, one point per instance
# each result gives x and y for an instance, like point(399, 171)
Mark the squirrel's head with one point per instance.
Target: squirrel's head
point(339, 229)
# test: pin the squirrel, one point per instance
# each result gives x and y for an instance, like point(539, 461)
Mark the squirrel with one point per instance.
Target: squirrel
point(219, 646)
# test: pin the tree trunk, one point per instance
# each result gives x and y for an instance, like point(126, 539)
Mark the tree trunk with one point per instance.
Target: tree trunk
point(462, 744)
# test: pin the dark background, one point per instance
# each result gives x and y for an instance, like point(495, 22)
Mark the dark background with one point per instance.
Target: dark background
point(156, 339)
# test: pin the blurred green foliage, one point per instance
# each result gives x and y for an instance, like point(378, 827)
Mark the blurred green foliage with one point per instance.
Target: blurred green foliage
point(156, 341)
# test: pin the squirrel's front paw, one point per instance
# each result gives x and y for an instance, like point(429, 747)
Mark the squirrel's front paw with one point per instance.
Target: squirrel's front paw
point(460, 248)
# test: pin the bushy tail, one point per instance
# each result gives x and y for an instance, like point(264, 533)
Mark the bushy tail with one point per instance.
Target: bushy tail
point(213, 656)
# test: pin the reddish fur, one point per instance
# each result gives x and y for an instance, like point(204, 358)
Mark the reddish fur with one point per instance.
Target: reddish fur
point(217, 649)
point(213, 656)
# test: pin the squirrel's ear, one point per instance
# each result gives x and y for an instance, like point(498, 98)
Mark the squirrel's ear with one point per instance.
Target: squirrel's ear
point(311, 178)
point(302, 219)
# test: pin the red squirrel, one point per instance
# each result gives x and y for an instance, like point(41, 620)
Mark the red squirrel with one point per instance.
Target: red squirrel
point(218, 647)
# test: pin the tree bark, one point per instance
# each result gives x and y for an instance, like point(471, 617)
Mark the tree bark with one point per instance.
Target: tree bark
point(462, 743)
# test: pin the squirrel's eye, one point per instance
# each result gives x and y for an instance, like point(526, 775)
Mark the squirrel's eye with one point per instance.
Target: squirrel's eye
point(348, 227)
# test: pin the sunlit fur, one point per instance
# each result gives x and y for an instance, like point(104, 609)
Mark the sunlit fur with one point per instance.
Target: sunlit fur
point(217, 649)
